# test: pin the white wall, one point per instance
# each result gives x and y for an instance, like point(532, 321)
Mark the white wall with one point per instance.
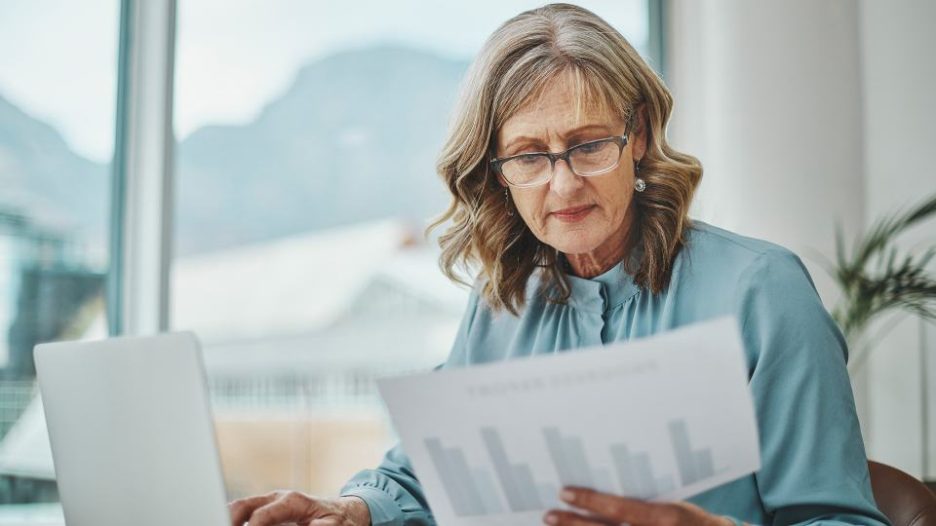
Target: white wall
point(898, 39)
point(766, 97)
point(807, 114)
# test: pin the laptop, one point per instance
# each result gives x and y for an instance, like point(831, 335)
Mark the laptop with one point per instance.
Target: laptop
point(131, 432)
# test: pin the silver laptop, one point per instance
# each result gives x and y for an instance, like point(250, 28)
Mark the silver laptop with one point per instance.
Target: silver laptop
point(131, 432)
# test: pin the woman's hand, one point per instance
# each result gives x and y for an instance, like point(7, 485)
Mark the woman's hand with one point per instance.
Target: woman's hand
point(292, 507)
point(604, 509)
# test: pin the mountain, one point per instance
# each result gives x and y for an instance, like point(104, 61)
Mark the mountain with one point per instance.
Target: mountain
point(42, 179)
point(354, 138)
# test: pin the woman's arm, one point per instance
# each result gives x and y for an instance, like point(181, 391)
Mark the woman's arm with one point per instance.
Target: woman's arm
point(814, 468)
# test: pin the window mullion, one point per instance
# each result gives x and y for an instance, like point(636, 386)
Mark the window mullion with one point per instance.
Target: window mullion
point(143, 164)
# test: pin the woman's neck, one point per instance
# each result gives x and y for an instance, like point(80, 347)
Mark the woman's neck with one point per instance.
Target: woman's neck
point(590, 264)
point(603, 258)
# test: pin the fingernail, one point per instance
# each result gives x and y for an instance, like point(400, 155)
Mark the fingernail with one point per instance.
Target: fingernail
point(567, 495)
point(551, 518)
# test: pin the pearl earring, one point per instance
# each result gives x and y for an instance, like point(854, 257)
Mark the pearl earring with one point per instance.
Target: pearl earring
point(507, 202)
point(639, 184)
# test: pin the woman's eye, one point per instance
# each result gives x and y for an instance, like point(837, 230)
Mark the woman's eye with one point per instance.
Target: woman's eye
point(590, 148)
point(528, 159)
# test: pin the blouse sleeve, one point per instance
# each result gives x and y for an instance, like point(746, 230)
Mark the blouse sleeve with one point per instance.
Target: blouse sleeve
point(392, 492)
point(814, 469)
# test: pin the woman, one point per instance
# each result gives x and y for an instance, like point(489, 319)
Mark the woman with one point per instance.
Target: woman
point(567, 197)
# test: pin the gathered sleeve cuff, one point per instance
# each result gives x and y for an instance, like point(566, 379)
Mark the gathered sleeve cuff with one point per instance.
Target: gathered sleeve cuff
point(393, 495)
point(382, 506)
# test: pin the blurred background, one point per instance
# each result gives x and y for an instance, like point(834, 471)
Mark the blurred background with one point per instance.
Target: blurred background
point(261, 173)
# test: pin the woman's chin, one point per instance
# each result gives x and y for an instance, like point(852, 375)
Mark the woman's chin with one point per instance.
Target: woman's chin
point(574, 245)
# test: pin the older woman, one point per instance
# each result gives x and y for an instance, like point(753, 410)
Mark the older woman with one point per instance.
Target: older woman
point(569, 201)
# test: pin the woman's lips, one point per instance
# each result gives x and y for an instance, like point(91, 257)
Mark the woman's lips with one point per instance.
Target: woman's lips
point(573, 214)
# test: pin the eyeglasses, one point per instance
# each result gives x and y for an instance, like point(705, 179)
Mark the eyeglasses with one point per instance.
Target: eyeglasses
point(585, 160)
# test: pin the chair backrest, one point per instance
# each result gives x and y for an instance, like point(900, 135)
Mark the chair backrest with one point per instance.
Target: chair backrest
point(903, 499)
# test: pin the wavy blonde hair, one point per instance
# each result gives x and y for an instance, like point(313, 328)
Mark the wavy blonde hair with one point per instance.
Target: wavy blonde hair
point(513, 67)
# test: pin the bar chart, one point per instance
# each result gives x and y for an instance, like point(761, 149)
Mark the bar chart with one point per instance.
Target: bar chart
point(472, 490)
point(663, 419)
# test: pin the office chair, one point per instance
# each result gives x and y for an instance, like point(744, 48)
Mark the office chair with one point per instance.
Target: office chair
point(903, 499)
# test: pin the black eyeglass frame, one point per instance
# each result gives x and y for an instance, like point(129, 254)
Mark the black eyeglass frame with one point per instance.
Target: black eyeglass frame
point(496, 164)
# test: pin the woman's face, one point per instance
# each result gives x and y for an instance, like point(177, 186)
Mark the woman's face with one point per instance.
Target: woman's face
point(576, 215)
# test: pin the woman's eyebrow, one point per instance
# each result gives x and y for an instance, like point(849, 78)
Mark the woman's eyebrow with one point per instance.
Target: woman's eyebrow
point(520, 141)
point(524, 140)
point(588, 127)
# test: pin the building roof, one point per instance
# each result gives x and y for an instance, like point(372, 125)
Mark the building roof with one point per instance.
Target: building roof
point(297, 284)
point(289, 306)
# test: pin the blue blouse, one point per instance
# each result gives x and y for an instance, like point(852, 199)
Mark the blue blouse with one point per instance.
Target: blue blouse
point(814, 469)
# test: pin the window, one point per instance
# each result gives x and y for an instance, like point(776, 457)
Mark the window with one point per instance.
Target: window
point(307, 137)
point(57, 103)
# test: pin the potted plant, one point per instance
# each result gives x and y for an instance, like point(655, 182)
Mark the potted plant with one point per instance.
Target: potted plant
point(876, 277)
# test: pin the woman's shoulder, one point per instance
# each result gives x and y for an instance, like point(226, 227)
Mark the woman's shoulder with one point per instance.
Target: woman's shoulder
point(723, 270)
point(713, 240)
point(712, 250)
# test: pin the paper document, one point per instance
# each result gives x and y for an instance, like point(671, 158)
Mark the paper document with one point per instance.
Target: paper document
point(661, 418)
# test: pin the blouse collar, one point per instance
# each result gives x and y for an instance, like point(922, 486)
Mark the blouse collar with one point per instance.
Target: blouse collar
point(603, 292)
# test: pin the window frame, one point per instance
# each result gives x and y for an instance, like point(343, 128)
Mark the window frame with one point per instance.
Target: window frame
point(143, 170)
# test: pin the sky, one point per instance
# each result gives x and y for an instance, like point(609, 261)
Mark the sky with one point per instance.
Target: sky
point(233, 56)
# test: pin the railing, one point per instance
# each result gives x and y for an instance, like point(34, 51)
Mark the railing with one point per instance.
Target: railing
point(15, 395)
point(345, 389)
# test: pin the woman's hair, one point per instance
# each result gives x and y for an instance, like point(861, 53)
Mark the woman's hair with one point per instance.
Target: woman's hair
point(518, 60)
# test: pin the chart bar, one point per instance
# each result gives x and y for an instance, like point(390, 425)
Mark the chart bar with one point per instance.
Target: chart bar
point(489, 495)
point(472, 496)
point(679, 435)
point(505, 472)
point(557, 453)
point(450, 479)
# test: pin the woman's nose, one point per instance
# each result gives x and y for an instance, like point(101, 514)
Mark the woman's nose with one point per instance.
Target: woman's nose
point(564, 181)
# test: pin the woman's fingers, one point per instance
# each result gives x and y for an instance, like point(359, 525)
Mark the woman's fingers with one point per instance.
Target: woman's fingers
point(620, 509)
point(570, 518)
point(603, 508)
point(241, 509)
point(272, 509)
